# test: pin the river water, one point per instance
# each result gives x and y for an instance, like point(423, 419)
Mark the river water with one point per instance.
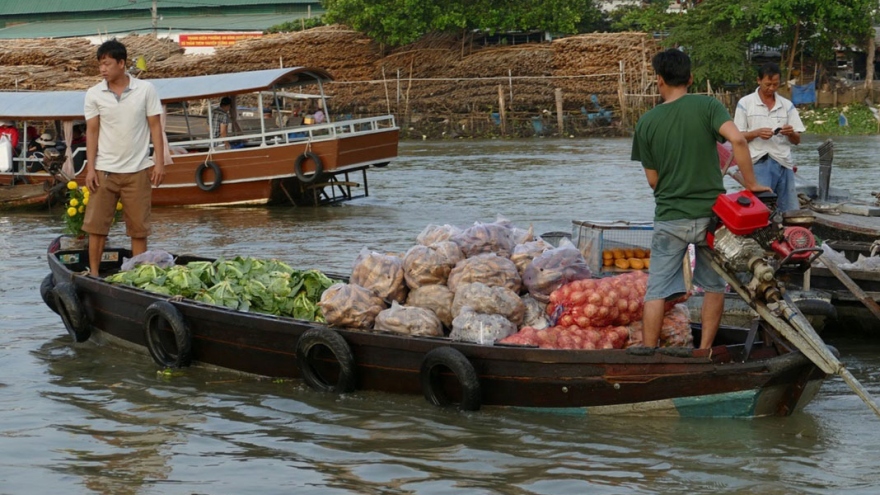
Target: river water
point(83, 419)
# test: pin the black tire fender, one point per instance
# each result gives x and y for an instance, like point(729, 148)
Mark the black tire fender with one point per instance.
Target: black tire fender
point(447, 358)
point(297, 167)
point(200, 172)
point(46, 292)
point(71, 311)
point(306, 347)
point(162, 316)
point(816, 307)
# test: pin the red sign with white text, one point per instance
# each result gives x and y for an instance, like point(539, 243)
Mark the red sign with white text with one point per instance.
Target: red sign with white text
point(213, 39)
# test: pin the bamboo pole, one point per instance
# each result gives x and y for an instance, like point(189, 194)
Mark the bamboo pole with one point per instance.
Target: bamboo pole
point(621, 94)
point(385, 84)
point(559, 120)
point(408, 87)
point(510, 83)
point(501, 111)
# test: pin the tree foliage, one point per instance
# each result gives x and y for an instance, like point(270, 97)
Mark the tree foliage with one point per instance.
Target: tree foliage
point(718, 33)
point(398, 22)
point(813, 27)
point(715, 35)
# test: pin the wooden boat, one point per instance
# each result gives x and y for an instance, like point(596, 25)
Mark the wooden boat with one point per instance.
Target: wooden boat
point(852, 314)
point(748, 373)
point(262, 162)
point(837, 215)
point(24, 196)
point(816, 305)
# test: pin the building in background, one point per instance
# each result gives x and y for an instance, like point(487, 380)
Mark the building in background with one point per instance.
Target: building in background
point(197, 25)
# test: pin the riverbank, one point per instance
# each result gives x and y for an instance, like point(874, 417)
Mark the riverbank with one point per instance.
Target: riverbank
point(858, 120)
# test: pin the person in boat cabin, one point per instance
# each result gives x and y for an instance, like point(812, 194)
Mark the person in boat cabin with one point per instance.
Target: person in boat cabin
point(39, 145)
point(771, 124)
point(676, 144)
point(122, 117)
point(77, 141)
point(319, 116)
point(220, 119)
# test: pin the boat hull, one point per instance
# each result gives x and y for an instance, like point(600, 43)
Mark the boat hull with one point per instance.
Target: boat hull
point(257, 175)
point(716, 384)
point(266, 174)
point(29, 196)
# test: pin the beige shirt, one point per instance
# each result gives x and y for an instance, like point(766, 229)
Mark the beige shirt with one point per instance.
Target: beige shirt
point(124, 138)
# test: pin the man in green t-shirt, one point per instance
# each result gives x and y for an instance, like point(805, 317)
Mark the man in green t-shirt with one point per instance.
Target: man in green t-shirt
point(676, 143)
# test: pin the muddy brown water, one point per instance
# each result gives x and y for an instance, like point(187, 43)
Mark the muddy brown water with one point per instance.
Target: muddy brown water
point(83, 419)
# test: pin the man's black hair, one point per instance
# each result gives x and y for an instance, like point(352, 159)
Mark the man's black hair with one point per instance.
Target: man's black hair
point(769, 69)
point(674, 66)
point(113, 49)
point(225, 101)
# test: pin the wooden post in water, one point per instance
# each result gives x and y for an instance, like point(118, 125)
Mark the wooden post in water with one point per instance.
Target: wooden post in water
point(621, 94)
point(559, 120)
point(502, 113)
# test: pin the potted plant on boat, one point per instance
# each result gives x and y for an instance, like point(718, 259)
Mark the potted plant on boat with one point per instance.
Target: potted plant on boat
point(74, 215)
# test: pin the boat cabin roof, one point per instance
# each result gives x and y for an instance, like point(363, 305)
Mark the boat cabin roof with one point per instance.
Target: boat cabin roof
point(68, 105)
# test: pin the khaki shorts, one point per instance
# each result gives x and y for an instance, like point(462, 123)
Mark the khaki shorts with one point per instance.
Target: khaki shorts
point(135, 192)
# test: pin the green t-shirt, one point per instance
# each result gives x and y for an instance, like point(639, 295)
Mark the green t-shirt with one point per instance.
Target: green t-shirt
point(677, 139)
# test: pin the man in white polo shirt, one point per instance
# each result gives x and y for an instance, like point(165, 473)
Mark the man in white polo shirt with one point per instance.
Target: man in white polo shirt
point(122, 117)
point(771, 124)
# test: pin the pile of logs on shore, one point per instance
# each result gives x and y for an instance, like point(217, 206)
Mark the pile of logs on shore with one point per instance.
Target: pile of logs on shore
point(438, 74)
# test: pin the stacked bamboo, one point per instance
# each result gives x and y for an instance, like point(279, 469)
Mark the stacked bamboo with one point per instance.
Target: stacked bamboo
point(439, 74)
point(594, 61)
point(346, 54)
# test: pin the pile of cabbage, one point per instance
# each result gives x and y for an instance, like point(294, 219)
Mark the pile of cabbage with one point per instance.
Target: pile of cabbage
point(242, 283)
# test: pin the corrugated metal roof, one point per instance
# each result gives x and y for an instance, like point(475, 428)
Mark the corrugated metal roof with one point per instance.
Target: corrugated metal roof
point(51, 105)
point(19, 7)
point(68, 105)
point(67, 29)
point(176, 89)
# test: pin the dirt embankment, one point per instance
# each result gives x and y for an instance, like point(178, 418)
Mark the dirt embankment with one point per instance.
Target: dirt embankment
point(436, 85)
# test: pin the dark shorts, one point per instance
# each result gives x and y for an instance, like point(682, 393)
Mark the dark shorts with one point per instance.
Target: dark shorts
point(135, 193)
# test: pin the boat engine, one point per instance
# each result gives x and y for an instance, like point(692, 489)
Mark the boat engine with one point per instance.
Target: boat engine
point(749, 236)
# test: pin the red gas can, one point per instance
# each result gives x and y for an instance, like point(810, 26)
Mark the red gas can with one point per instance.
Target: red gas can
point(742, 212)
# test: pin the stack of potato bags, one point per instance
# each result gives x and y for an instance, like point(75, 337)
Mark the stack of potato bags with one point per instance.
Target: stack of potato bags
point(483, 284)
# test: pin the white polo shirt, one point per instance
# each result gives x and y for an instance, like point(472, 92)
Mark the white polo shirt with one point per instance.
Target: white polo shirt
point(751, 113)
point(124, 138)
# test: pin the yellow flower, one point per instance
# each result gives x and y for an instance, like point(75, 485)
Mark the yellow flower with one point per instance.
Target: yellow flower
point(118, 206)
point(73, 202)
point(72, 185)
point(85, 191)
point(86, 200)
point(82, 209)
point(71, 212)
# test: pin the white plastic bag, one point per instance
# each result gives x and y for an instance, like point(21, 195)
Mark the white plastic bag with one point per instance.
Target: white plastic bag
point(5, 154)
point(162, 259)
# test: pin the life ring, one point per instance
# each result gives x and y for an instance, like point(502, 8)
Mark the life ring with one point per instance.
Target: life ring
point(434, 363)
point(297, 167)
point(46, 292)
point(308, 348)
point(158, 319)
point(69, 308)
point(200, 171)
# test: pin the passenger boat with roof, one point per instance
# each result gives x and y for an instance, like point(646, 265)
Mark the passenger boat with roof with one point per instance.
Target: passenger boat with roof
point(262, 161)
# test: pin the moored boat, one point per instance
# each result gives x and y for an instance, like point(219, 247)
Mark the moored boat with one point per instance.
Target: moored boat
point(749, 372)
point(263, 161)
point(837, 215)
